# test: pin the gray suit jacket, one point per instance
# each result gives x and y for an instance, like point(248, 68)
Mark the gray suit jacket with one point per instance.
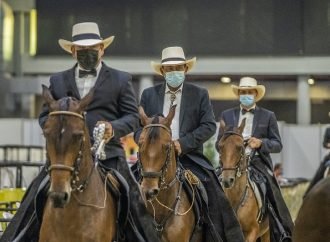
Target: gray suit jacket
point(264, 127)
point(114, 101)
point(196, 121)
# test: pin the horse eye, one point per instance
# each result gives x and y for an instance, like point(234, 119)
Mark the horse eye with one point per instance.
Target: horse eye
point(45, 132)
point(78, 134)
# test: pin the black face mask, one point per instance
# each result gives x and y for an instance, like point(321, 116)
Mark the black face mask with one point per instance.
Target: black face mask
point(87, 58)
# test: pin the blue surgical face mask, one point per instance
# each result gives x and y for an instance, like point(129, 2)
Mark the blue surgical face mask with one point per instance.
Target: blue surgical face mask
point(246, 100)
point(174, 78)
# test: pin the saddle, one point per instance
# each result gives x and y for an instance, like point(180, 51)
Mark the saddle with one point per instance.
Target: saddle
point(258, 184)
point(119, 188)
point(197, 193)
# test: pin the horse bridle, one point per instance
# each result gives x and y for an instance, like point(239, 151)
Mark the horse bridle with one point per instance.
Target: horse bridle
point(158, 174)
point(237, 168)
point(75, 168)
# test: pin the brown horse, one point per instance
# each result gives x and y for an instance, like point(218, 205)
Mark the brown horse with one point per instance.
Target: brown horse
point(78, 207)
point(167, 201)
point(235, 181)
point(313, 220)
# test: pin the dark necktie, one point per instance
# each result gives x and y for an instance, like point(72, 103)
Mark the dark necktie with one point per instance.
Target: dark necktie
point(84, 73)
point(172, 98)
point(244, 111)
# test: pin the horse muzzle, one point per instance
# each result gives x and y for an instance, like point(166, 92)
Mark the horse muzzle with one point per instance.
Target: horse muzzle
point(228, 182)
point(59, 199)
point(151, 193)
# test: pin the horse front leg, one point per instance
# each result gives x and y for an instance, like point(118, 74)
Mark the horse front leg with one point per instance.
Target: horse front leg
point(266, 236)
point(252, 235)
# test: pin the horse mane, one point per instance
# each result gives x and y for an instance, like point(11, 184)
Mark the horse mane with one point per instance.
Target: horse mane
point(153, 133)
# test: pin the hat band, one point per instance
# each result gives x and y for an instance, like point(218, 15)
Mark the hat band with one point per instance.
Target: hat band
point(173, 59)
point(85, 36)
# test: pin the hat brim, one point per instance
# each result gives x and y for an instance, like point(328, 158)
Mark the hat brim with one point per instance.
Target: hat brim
point(157, 66)
point(260, 90)
point(66, 45)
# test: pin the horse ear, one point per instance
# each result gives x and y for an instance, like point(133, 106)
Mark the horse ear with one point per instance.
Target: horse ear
point(170, 115)
point(143, 117)
point(222, 125)
point(46, 94)
point(86, 100)
point(242, 125)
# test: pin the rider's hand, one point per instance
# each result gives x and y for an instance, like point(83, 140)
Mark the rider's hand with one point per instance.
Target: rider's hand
point(108, 132)
point(177, 147)
point(254, 143)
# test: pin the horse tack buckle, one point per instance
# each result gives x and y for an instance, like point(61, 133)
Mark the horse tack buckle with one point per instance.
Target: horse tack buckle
point(239, 173)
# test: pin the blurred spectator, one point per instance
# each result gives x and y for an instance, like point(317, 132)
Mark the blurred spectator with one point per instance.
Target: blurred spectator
point(278, 173)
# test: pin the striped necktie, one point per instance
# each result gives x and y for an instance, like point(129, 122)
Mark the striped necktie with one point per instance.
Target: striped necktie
point(172, 98)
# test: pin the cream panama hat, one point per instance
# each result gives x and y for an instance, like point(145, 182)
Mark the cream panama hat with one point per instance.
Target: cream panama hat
point(248, 83)
point(173, 56)
point(85, 34)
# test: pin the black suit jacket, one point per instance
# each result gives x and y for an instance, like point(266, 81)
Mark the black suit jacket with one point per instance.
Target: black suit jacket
point(264, 127)
point(196, 121)
point(114, 101)
point(326, 138)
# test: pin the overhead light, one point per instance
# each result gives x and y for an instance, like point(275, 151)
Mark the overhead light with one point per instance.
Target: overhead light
point(311, 81)
point(225, 79)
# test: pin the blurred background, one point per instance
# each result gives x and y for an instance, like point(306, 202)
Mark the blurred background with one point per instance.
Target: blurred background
point(284, 44)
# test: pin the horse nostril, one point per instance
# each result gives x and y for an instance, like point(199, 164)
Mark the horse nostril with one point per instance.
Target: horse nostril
point(66, 197)
point(152, 193)
point(231, 180)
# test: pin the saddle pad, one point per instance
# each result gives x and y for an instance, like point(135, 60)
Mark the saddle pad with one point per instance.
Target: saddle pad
point(257, 194)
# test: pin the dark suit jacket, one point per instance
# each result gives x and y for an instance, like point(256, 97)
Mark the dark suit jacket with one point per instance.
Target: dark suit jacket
point(326, 138)
point(264, 127)
point(196, 121)
point(114, 101)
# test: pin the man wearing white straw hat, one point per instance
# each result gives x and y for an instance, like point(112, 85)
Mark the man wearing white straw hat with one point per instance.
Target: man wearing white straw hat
point(192, 125)
point(262, 136)
point(113, 105)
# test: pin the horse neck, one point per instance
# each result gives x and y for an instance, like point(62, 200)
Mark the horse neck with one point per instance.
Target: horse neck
point(167, 196)
point(86, 160)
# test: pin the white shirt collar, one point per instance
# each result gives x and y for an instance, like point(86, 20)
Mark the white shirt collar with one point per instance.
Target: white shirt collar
point(167, 89)
point(98, 68)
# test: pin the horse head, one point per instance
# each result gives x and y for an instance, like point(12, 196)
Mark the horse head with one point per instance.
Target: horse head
point(67, 143)
point(232, 153)
point(156, 150)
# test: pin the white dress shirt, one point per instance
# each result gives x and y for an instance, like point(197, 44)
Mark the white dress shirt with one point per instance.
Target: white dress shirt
point(247, 132)
point(85, 84)
point(175, 126)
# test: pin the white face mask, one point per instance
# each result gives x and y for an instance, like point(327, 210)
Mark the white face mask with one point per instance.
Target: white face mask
point(174, 78)
point(247, 100)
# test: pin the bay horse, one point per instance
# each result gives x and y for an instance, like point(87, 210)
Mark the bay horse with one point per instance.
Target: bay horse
point(78, 206)
point(167, 200)
point(235, 181)
point(313, 219)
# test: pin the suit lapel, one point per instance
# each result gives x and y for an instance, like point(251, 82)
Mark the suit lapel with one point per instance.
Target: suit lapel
point(160, 100)
point(236, 116)
point(255, 119)
point(183, 104)
point(103, 75)
point(70, 82)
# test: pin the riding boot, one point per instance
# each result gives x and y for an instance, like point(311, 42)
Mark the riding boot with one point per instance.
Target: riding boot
point(221, 214)
point(274, 196)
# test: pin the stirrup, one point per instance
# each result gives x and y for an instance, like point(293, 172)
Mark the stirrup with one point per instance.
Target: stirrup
point(285, 237)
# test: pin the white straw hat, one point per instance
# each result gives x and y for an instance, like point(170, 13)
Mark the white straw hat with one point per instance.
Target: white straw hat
point(248, 83)
point(85, 34)
point(173, 56)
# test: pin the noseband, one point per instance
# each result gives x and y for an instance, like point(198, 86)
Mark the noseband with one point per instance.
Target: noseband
point(237, 167)
point(158, 174)
point(75, 168)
